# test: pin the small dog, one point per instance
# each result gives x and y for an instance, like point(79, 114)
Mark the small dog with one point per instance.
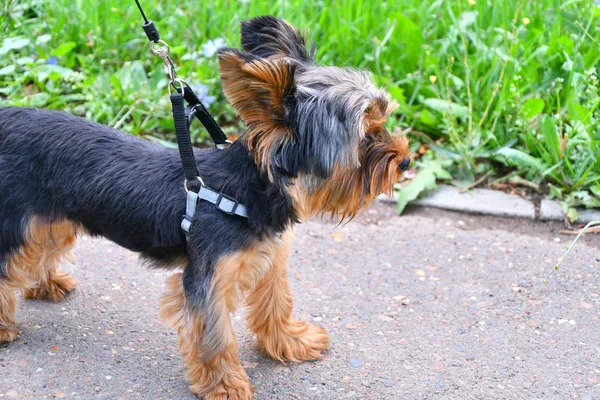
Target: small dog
point(315, 144)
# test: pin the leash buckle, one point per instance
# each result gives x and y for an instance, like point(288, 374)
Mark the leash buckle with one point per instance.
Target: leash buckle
point(162, 49)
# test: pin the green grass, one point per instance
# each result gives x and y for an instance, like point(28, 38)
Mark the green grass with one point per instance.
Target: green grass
point(501, 89)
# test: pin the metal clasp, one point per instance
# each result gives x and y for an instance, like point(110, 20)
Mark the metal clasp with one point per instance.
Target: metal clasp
point(185, 183)
point(162, 49)
point(225, 145)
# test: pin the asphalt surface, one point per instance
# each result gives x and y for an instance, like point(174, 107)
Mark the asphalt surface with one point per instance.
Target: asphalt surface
point(431, 305)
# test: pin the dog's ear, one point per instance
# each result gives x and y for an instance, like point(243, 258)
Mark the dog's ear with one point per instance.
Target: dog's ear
point(262, 92)
point(271, 37)
point(376, 115)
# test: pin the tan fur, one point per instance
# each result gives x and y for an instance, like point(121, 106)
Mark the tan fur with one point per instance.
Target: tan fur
point(376, 115)
point(249, 86)
point(55, 286)
point(210, 352)
point(8, 307)
point(33, 268)
point(349, 190)
point(269, 307)
point(214, 379)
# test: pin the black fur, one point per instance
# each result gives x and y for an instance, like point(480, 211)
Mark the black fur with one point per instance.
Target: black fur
point(54, 166)
point(268, 36)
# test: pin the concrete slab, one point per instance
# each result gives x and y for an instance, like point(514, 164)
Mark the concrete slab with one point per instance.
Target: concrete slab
point(495, 203)
point(479, 201)
point(551, 211)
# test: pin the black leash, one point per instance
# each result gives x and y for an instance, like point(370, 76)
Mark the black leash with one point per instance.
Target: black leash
point(184, 142)
point(183, 117)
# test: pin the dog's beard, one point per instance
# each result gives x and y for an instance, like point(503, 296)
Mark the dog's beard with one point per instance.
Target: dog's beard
point(348, 190)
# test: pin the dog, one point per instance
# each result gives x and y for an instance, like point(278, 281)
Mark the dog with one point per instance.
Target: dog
point(315, 144)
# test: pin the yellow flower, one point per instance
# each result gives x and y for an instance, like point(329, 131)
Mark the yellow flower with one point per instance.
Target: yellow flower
point(432, 78)
point(526, 21)
point(472, 2)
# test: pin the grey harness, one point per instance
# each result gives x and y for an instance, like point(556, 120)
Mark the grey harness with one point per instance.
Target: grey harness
point(224, 203)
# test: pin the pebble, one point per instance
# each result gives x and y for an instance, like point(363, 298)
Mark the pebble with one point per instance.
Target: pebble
point(355, 362)
point(12, 394)
point(440, 384)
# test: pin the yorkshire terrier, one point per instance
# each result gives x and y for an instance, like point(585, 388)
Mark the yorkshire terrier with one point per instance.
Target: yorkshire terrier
point(315, 144)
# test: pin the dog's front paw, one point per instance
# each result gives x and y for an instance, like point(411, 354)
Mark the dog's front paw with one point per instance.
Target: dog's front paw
point(296, 341)
point(222, 391)
point(9, 334)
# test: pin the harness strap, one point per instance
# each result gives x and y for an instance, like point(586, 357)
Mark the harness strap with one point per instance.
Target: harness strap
point(198, 109)
point(223, 203)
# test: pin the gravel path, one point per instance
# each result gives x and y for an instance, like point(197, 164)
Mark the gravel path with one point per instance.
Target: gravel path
point(432, 305)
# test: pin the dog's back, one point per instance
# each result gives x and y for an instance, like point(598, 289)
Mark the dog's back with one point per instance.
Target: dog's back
point(56, 166)
point(26, 129)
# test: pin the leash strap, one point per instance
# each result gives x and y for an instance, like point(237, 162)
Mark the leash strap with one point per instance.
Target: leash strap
point(182, 118)
point(184, 143)
point(196, 108)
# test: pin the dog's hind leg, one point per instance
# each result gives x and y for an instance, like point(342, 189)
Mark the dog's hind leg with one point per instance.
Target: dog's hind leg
point(8, 308)
point(32, 267)
point(269, 315)
point(206, 337)
point(12, 278)
point(47, 244)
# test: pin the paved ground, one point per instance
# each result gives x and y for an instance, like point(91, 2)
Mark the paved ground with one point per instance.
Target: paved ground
point(428, 306)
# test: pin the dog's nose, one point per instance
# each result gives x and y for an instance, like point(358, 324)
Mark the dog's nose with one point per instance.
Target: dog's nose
point(404, 164)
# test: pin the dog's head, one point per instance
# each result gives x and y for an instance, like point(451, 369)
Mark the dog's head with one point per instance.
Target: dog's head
point(321, 127)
